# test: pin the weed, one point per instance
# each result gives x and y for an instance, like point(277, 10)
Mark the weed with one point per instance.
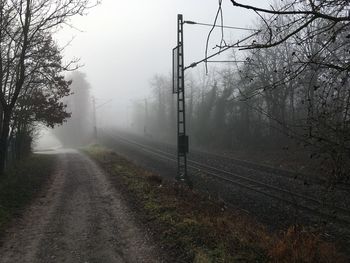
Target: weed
point(299, 246)
point(193, 228)
point(21, 183)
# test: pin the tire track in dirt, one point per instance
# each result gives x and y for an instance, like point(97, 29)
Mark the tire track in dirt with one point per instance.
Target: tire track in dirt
point(81, 218)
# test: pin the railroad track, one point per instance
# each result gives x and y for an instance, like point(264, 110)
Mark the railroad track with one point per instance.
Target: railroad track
point(253, 167)
point(304, 202)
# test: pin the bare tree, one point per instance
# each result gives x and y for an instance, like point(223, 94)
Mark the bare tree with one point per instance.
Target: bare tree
point(299, 16)
point(24, 23)
point(315, 65)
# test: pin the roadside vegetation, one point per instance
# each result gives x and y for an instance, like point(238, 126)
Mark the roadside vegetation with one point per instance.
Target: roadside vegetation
point(193, 228)
point(21, 184)
point(288, 95)
point(32, 71)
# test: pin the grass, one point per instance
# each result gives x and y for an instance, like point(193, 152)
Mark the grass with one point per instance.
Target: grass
point(20, 184)
point(193, 228)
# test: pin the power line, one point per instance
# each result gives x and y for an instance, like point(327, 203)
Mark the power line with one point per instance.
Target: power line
point(226, 61)
point(211, 25)
point(103, 104)
point(236, 45)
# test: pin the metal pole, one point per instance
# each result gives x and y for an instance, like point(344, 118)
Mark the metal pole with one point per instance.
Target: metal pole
point(182, 138)
point(94, 119)
point(146, 118)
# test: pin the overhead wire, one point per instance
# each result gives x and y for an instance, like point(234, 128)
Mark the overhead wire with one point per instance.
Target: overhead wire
point(223, 45)
point(212, 25)
point(219, 12)
point(194, 64)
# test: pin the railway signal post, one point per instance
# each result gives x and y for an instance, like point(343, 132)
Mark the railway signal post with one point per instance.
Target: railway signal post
point(179, 89)
point(94, 119)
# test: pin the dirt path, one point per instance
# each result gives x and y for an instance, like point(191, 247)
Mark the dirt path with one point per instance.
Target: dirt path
point(81, 218)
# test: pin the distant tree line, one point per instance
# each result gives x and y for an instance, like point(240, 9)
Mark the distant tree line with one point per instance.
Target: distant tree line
point(292, 90)
point(78, 129)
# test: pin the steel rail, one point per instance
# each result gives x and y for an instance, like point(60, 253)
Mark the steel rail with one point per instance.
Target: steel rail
point(206, 169)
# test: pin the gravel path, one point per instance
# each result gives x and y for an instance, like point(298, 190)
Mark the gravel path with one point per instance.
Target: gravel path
point(79, 218)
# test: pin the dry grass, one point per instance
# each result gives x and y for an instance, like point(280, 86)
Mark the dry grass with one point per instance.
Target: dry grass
point(300, 246)
point(20, 184)
point(196, 229)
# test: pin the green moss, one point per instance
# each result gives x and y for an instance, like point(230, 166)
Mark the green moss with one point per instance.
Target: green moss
point(4, 217)
point(201, 257)
point(20, 184)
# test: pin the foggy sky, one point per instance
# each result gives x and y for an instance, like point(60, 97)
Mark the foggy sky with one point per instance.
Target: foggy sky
point(124, 43)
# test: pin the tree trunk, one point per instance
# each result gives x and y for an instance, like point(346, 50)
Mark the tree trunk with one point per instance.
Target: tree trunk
point(4, 141)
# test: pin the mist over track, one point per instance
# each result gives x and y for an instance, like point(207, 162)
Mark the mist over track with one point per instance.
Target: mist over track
point(276, 197)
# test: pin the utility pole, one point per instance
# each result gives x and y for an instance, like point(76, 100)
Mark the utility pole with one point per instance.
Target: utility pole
point(146, 118)
point(94, 119)
point(179, 89)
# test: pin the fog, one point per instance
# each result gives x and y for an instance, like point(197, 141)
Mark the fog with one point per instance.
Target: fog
point(124, 53)
point(121, 45)
point(260, 118)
